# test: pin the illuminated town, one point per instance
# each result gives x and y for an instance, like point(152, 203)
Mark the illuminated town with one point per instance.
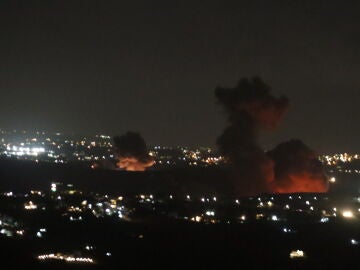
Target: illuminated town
point(94, 150)
point(59, 148)
point(45, 217)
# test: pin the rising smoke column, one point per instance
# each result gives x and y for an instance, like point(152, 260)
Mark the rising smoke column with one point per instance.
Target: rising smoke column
point(290, 167)
point(297, 169)
point(251, 108)
point(132, 152)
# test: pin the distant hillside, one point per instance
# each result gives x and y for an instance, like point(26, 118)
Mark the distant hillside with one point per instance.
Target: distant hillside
point(25, 175)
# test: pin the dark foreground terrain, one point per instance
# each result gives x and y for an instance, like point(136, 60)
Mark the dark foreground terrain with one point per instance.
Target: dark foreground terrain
point(153, 240)
point(169, 245)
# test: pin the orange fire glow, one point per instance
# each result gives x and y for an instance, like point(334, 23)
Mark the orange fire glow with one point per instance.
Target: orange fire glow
point(300, 183)
point(134, 164)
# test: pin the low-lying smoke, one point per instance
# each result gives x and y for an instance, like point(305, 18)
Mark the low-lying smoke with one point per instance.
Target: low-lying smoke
point(251, 108)
point(132, 152)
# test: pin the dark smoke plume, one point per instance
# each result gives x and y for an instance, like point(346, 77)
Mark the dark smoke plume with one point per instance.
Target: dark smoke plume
point(132, 152)
point(251, 108)
point(297, 169)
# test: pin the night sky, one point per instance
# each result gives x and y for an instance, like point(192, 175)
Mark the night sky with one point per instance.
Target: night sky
point(91, 67)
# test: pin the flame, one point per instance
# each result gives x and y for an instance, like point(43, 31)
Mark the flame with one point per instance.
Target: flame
point(304, 182)
point(132, 152)
point(134, 164)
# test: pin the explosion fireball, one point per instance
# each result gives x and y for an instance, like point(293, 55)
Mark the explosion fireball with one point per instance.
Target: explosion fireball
point(132, 152)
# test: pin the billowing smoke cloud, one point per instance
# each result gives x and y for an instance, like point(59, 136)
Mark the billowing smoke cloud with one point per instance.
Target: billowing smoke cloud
point(132, 152)
point(251, 108)
point(297, 169)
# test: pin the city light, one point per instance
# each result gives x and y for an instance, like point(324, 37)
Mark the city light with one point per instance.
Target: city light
point(295, 254)
point(66, 258)
point(347, 214)
point(332, 180)
point(30, 206)
point(354, 242)
point(324, 220)
point(210, 213)
point(53, 187)
point(287, 230)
